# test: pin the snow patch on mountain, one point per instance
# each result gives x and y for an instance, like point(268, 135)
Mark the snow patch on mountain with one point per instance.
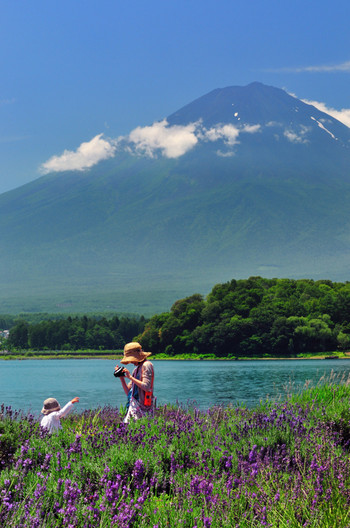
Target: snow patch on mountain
point(324, 128)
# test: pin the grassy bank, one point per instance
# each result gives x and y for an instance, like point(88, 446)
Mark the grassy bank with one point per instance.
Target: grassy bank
point(117, 354)
point(282, 464)
point(59, 354)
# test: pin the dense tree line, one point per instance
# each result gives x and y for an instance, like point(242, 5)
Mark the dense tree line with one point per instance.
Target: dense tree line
point(251, 317)
point(255, 317)
point(6, 321)
point(75, 333)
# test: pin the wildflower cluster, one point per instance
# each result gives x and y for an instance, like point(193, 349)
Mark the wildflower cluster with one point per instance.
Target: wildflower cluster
point(284, 464)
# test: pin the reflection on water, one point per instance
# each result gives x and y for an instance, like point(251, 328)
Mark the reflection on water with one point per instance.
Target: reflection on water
point(26, 384)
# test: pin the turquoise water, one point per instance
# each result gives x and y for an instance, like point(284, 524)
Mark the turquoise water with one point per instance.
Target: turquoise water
point(26, 384)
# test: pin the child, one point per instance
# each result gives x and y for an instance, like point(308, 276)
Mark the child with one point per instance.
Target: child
point(53, 413)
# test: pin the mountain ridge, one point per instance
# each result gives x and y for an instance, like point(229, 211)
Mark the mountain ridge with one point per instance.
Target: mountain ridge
point(268, 201)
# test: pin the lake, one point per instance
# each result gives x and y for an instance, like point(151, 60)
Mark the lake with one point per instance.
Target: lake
point(26, 384)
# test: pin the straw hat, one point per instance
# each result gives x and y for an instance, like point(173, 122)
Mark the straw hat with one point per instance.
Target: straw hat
point(133, 353)
point(50, 405)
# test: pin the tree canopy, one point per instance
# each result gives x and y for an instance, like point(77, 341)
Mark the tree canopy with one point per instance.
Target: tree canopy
point(255, 317)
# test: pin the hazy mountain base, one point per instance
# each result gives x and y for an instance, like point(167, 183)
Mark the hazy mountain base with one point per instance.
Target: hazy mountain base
point(69, 300)
point(274, 230)
point(151, 290)
point(145, 295)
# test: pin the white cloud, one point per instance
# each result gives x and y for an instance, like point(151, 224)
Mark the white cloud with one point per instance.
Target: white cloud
point(295, 137)
point(251, 129)
point(227, 154)
point(12, 139)
point(4, 102)
point(342, 67)
point(86, 155)
point(229, 133)
point(273, 124)
point(172, 141)
point(321, 68)
point(342, 115)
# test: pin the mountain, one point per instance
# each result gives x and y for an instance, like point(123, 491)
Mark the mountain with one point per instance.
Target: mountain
point(243, 181)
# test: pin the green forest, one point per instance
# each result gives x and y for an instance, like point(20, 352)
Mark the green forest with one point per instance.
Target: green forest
point(253, 317)
point(75, 333)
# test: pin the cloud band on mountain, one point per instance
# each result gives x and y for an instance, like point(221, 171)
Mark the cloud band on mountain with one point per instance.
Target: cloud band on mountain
point(159, 138)
point(174, 141)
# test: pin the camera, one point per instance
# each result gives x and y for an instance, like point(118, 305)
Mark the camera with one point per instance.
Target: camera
point(119, 372)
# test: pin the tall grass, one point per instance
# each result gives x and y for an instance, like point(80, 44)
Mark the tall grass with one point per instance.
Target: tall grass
point(283, 464)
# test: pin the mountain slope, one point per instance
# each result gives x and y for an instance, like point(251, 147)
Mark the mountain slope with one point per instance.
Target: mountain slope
point(264, 191)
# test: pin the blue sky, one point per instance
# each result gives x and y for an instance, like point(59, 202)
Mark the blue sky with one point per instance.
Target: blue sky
point(78, 74)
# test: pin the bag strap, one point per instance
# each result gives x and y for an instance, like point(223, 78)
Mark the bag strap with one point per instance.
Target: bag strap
point(134, 384)
point(152, 379)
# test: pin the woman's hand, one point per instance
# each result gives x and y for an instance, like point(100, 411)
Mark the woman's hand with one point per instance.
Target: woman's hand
point(125, 371)
point(75, 400)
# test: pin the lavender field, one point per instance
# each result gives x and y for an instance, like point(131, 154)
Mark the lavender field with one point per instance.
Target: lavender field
point(283, 464)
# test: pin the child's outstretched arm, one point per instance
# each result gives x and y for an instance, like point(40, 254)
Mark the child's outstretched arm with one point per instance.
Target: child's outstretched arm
point(67, 408)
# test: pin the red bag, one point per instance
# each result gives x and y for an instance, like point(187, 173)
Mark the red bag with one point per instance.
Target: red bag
point(148, 394)
point(148, 399)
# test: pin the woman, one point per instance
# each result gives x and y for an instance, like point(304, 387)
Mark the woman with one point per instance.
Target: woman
point(140, 387)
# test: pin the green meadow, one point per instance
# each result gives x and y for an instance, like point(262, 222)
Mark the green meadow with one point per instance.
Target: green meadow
point(284, 463)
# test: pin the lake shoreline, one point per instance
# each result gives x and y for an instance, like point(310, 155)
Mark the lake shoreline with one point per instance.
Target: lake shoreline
point(29, 383)
point(24, 357)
